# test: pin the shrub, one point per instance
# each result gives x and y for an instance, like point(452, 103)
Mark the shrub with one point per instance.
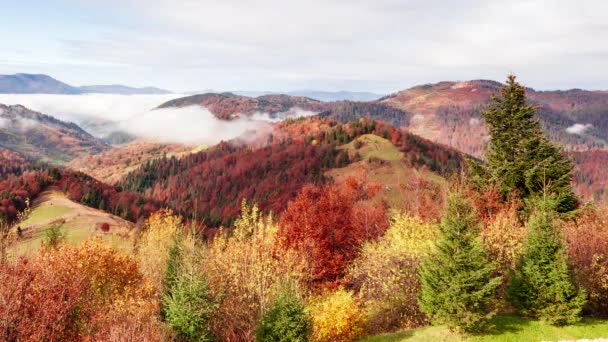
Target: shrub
point(542, 286)
point(337, 317)
point(285, 321)
point(53, 236)
point(587, 238)
point(503, 235)
point(386, 274)
point(458, 287)
point(67, 293)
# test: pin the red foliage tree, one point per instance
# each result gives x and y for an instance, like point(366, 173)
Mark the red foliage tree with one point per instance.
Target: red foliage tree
point(105, 227)
point(327, 225)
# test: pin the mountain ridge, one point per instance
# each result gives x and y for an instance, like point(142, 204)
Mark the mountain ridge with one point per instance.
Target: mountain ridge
point(23, 83)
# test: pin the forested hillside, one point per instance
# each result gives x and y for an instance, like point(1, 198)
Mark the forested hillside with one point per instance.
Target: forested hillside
point(211, 185)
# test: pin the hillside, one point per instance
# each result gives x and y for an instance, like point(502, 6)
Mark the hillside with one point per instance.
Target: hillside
point(112, 165)
point(448, 112)
point(378, 161)
point(445, 112)
point(229, 106)
point(211, 184)
point(591, 174)
point(76, 221)
point(43, 137)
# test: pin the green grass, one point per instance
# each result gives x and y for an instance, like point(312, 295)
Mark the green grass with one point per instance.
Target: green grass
point(45, 213)
point(392, 171)
point(374, 146)
point(507, 329)
point(75, 235)
point(76, 228)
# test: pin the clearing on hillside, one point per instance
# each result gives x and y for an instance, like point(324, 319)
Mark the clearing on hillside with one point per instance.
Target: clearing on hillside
point(77, 222)
point(381, 162)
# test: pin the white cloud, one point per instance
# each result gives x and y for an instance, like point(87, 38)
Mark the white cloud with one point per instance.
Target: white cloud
point(103, 113)
point(193, 124)
point(474, 121)
point(579, 128)
point(78, 107)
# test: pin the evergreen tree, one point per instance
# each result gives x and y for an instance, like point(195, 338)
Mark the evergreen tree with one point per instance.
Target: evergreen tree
point(458, 286)
point(188, 307)
point(541, 285)
point(519, 157)
point(285, 321)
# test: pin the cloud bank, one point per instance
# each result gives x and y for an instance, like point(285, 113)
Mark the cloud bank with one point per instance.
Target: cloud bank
point(193, 124)
point(101, 114)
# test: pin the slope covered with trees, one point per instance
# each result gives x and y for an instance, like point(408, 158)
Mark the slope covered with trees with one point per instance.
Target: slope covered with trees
point(210, 185)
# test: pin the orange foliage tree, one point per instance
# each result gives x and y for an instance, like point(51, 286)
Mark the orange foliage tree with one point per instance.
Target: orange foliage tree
point(587, 238)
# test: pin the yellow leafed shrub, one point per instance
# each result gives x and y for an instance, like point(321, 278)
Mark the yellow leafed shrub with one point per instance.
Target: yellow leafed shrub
point(503, 235)
point(386, 273)
point(337, 316)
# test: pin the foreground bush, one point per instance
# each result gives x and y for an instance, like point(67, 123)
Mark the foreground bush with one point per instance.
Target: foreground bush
point(542, 286)
point(587, 237)
point(285, 321)
point(386, 274)
point(70, 294)
point(337, 317)
point(458, 288)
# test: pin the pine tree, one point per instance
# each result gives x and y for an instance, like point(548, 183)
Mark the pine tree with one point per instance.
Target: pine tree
point(286, 320)
point(542, 286)
point(519, 157)
point(458, 286)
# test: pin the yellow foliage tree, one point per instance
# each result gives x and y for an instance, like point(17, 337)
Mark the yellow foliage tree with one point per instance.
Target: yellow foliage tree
point(386, 273)
point(152, 249)
point(244, 272)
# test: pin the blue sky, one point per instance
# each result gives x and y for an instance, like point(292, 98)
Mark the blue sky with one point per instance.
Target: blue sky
point(379, 46)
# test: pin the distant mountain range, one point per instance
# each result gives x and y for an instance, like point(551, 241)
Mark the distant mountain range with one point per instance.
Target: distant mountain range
point(44, 84)
point(326, 96)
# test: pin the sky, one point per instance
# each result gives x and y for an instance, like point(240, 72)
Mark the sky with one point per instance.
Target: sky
point(282, 45)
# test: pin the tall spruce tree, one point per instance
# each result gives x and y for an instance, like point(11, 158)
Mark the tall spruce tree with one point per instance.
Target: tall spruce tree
point(458, 286)
point(542, 286)
point(519, 157)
